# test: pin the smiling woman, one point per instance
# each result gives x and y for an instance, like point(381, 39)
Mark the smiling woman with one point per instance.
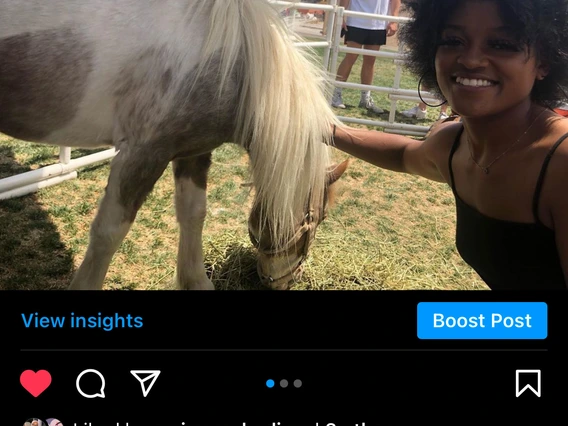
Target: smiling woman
point(503, 67)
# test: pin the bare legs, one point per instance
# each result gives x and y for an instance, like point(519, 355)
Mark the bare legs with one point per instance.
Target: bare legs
point(367, 75)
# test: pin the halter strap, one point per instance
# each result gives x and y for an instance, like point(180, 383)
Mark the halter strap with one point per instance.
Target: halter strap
point(308, 227)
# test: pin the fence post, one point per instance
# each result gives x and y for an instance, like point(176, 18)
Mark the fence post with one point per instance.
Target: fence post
point(65, 154)
point(328, 31)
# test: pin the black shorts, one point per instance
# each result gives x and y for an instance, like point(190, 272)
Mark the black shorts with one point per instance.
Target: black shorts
point(366, 37)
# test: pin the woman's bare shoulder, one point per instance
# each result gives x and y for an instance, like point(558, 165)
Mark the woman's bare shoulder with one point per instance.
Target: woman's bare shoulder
point(440, 139)
point(558, 135)
point(555, 184)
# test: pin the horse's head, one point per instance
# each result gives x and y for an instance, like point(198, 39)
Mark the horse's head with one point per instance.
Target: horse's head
point(278, 269)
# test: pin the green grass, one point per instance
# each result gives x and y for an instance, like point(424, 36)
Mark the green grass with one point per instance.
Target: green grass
point(385, 230)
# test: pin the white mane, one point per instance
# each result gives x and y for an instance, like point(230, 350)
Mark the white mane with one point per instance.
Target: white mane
point(284, 116)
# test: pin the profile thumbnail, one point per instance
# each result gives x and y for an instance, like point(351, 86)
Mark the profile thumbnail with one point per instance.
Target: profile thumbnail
point(35, 422)
point(54, 422)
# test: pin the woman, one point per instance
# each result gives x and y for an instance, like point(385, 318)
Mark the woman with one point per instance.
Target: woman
point(503, 67)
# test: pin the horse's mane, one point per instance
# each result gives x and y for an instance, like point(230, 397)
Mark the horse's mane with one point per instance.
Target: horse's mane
point(284, 118)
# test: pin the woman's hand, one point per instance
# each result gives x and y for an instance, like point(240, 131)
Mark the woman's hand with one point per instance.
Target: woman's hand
point(391, 28)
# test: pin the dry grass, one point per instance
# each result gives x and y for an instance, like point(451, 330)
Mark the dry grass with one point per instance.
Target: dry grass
point(386, 230)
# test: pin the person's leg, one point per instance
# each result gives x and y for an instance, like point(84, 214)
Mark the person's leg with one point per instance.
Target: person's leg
point(418, 111)
point(443, 112)
point(343, 72)
point(368, 68)
point(374, 39)
point(367, 76)
point(344, 69)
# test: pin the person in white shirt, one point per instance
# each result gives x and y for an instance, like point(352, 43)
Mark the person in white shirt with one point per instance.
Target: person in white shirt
point(368, 34)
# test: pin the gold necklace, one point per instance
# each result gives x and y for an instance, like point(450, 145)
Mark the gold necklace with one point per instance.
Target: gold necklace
point(486, 168)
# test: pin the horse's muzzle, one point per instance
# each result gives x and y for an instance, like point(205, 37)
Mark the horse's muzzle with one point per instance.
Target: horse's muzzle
point(283, 282)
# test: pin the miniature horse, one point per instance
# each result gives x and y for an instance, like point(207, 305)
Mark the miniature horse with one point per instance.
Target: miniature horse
point(170, 81)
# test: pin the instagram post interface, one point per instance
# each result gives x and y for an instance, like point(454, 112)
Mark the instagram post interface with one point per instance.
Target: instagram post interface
point(124, 186)
point(263, 212)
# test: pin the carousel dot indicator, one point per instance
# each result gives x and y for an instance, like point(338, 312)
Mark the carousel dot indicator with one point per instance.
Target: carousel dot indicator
point(270, 383)
point(297, 383)
point(283, 383)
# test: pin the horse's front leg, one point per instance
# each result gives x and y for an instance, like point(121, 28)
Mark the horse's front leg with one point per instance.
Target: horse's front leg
point(190, 176)
point(132, 177)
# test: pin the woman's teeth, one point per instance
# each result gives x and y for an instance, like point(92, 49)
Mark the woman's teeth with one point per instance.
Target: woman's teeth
point(474, 82)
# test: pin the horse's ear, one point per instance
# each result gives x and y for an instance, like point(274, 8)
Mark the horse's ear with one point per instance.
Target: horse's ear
point(334, 172)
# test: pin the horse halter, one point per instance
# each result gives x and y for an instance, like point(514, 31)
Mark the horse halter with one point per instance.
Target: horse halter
point(307, 231)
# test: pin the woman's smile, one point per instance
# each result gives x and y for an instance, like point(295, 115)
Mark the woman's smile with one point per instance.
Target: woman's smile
point(473, 83)
point(487, 69)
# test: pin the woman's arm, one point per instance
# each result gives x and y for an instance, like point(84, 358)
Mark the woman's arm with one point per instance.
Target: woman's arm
point(394, 10)
point(392, 152)
point(558, 179)
point(561, 233)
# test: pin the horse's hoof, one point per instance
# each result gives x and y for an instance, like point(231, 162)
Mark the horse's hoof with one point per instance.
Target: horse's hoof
point(195, 285)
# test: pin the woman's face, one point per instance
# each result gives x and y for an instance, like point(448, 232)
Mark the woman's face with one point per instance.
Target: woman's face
point(480, 67)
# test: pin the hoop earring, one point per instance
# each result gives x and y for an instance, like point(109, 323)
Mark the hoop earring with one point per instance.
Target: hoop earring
point(420, 96)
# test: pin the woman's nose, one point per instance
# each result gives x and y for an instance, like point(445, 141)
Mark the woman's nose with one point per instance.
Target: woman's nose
point(473, 57)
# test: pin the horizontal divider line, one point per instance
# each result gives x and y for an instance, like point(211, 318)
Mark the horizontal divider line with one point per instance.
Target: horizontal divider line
point(293, 350)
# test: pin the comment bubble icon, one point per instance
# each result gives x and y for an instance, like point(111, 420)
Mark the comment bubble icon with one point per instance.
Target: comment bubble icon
point(101, 391)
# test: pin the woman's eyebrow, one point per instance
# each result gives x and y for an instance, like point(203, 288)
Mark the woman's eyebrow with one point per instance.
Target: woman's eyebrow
point(505, 29)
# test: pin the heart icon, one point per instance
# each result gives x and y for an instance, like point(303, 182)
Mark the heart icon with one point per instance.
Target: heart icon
point(35, 383)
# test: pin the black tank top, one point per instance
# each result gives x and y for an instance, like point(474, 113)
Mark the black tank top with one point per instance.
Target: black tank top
point(508, 255)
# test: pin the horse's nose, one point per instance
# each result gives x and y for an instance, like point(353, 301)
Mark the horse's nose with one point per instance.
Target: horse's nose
point(282, 283)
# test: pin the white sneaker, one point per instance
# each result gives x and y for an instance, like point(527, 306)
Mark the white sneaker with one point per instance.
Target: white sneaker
point(337, 100)
point(415, 112)
point(443, 116)
point(370, 105)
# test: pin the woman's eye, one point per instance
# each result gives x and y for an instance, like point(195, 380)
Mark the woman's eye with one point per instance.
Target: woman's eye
point(451, 41)
point(504, 45)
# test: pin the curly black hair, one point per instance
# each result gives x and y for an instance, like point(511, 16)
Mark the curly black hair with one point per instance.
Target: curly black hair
point(539, 24)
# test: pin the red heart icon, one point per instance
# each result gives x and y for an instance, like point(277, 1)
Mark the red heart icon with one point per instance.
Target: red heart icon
point(35, 383)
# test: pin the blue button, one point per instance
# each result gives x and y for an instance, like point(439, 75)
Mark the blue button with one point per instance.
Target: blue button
point(483, 320)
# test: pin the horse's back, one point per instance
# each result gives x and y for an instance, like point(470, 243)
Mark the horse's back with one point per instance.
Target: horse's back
point(104, 16)
point(62, 62)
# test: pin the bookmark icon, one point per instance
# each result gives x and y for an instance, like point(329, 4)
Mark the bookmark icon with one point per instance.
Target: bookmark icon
point(525, 375)
point(147, 378)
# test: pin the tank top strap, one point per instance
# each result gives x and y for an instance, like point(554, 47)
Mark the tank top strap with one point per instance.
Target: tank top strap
point(455, 146)
point(541, 176)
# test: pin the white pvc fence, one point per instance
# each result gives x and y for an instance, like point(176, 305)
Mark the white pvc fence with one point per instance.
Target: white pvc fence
point(333, 48)
point(66, 168)
point(28, 182)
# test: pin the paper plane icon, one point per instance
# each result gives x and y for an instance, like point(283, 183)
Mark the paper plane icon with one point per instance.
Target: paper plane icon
point(145, 376)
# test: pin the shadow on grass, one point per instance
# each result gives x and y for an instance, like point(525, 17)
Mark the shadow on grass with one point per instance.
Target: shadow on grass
point(32, 255)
